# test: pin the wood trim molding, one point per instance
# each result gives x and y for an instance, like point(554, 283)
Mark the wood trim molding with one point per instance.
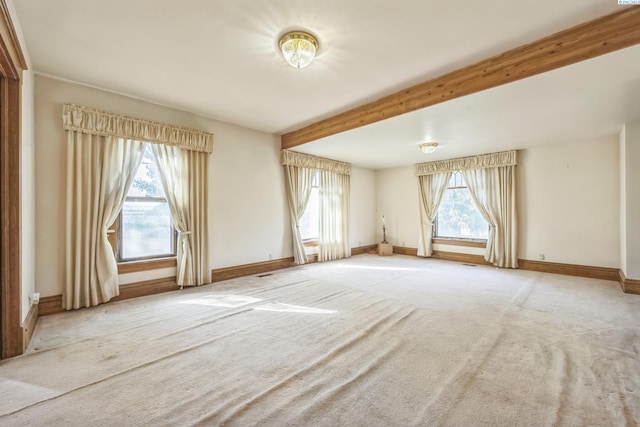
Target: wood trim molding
point(12, 64)
point(147, 287)
point(226, 273)
point(29, 325)
point(401, 250)
point(53, 304)
point(603, 273)
point(600, 36)
point(459, 242)
point(50, 305)
point(629, 286)
point(363, 249)
point(137, 266)
point(459, 257)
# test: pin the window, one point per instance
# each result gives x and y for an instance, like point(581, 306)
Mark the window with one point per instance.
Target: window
point(458, 216)
point(144, 227)
point(310, 221)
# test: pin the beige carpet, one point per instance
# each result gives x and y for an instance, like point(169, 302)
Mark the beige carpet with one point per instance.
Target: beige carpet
point(367, 341)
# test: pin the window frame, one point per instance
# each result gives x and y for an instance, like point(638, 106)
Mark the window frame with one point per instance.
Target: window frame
point(115, 237)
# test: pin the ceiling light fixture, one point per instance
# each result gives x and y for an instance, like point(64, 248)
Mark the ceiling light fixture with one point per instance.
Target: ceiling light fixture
point(428, 147)
point(298, 48)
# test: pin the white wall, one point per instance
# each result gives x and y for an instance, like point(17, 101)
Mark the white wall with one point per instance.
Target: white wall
point(363, 207)
point(249, 218)
point(631, 160)
point(568, 204)
point(623, 202)
point(28, 196)
point(397, 200)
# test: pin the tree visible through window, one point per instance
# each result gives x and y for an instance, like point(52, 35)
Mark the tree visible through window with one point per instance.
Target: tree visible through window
point(145, 229)
point(458, 215)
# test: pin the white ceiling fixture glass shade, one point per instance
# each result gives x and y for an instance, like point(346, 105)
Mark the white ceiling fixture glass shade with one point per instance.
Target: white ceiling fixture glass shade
point(298, 48)
point(428, 147)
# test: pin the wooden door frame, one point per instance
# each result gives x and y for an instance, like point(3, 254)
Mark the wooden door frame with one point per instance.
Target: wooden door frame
point(12, 64)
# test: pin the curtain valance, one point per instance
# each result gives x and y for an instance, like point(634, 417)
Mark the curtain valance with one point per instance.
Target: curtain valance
point(504, 158)
point(91, 121)
point(294, 158)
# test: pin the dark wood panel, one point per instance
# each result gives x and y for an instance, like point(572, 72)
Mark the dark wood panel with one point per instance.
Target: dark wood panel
point(50, 305)
point(600, 36)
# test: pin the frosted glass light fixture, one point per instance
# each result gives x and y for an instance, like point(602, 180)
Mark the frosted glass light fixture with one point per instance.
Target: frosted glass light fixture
point(428, 147)
point(298, 48)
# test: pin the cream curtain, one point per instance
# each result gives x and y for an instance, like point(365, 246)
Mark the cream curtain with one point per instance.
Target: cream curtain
point(432, 188)
point(100, 170)
point(333, 239)
point(494, 191)
point(298, 181)
point(335, 177)
point(184, 176)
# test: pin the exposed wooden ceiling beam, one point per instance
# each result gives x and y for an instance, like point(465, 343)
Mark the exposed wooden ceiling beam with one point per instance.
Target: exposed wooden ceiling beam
point(585, 41)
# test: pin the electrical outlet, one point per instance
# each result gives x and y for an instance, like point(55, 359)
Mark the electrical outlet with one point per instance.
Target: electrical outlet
point(34, 299)
point(541, 256)
point(269, 257)
point(403, 244)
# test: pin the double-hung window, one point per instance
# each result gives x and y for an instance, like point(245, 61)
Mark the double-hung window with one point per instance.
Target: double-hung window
point(458, 216)
point(144, 227)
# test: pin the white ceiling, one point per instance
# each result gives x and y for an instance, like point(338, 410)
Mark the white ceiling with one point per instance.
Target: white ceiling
point(219, 58)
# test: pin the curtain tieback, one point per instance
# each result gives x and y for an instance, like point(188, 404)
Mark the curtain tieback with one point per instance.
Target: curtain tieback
point(184, 233)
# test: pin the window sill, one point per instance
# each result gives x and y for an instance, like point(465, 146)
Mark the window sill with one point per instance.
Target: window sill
point(310, 243)
point(146, 265)
point(460, 242)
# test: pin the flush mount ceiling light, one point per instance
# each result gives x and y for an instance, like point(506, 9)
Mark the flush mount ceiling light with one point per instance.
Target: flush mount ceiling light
point(298, 48)
point(428, 147)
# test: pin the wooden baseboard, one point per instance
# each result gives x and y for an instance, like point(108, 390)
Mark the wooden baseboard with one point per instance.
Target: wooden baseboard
point(443, 255)
point(147, 287)
point(53, 304)
point(405, 251)
point(226, 273)
point(460, 257)
point(29, 325)
point(591, 272)
point(629, 286)
point(363, 249)
point(50, 305)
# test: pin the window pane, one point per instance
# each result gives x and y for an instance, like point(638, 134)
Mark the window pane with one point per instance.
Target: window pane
point(459, 217)
point(310, 221)
point(146, 229)
point(146, 182)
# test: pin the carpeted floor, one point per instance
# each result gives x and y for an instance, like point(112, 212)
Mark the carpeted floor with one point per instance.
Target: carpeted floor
point(365, 341)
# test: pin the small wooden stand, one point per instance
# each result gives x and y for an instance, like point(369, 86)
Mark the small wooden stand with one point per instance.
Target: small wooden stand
point(385, 249)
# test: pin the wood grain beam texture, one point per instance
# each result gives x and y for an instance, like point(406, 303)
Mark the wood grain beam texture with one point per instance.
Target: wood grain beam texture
point(598, 37)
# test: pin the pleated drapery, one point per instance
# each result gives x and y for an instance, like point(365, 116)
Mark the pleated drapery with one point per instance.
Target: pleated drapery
point(100, 170)
point(491, 182)
point(494, 191)
point(184, 177)
point(103, 153)
point(333, 238)
point(432, 188)
point(299, 182)
point(335, 178)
